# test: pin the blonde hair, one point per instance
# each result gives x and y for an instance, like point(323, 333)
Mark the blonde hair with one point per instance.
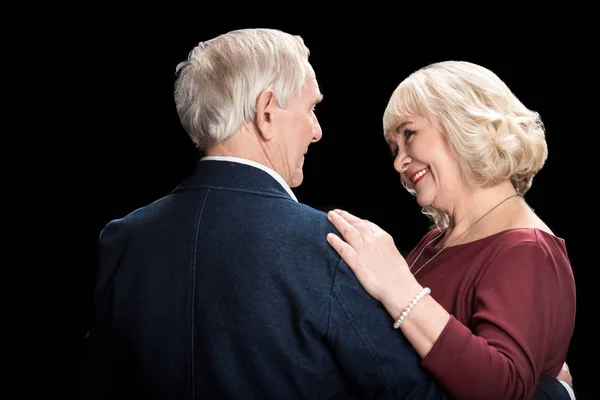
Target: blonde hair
point(494, 136)
point(217, 86)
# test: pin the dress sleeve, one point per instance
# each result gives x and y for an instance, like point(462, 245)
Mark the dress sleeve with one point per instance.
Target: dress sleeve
point(514, 324)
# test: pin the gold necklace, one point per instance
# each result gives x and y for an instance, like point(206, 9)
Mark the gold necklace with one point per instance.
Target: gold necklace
point(449, 244)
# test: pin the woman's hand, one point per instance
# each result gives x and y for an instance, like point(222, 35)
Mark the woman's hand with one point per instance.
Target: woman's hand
point(373, 257)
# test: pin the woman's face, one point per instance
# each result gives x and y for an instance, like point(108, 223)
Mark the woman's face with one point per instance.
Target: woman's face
point(426, 162)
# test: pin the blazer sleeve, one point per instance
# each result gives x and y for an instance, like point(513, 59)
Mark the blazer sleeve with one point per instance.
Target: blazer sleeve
point(549, 388)
point(377, 360)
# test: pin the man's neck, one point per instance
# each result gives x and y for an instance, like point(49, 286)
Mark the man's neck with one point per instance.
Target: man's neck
point(243, 144)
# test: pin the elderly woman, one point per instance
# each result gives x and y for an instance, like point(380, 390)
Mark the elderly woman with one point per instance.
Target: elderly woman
point(487, 297)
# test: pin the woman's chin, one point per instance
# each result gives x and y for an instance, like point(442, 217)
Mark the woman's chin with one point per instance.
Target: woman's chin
point(423, 200)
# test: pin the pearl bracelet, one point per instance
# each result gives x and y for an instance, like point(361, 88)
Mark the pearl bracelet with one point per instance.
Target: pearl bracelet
point(410, 306)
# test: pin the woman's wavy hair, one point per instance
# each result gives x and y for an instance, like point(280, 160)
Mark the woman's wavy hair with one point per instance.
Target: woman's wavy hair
point(494, 136)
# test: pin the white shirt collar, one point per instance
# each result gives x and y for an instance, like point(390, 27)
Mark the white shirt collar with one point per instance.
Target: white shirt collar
point(268, 170)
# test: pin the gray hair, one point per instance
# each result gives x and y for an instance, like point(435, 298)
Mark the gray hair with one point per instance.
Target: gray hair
point(218, 85)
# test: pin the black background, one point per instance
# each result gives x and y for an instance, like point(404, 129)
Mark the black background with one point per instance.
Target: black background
point(138, 151)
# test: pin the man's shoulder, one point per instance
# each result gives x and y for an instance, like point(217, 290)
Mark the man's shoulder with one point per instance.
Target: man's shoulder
point(312, 219)
point(134, 219)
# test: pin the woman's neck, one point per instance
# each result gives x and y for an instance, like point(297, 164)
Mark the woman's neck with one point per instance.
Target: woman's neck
point(480, 208)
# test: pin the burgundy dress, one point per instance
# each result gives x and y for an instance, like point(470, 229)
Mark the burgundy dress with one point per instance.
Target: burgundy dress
point(511, 297)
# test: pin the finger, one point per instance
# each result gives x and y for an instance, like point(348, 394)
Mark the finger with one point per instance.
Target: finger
point(337, 220)
point(348, 217)
point(349, 232)
point(364, 226)
point(345, 251)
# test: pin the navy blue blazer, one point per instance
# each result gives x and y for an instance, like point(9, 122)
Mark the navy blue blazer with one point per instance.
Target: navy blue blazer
point(227, 289)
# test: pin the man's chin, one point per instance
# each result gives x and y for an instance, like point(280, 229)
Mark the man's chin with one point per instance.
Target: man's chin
point(297, 180)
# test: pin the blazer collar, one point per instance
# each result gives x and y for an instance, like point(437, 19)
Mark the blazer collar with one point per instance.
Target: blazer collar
point(232, 175)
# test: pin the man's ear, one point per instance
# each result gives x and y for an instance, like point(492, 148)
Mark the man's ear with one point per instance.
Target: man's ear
point(266, 105)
